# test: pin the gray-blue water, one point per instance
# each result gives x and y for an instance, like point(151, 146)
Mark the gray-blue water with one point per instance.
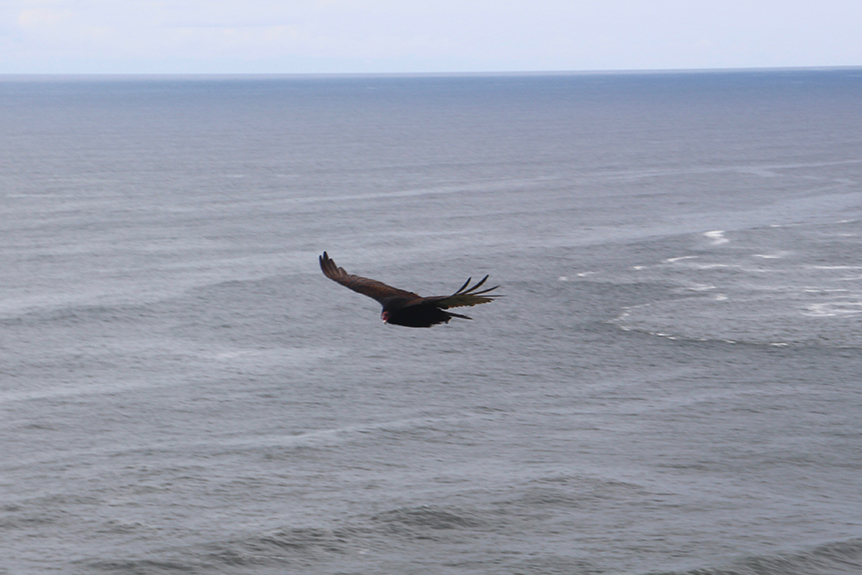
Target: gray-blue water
point(672, 384)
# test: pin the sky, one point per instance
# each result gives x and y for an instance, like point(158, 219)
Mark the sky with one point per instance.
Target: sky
point(429, 36)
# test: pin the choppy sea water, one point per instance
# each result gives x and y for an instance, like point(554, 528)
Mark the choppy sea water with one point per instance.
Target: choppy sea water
point(671, 383)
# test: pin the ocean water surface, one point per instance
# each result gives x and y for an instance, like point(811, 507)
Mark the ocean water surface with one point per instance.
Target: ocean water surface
point(671, 384)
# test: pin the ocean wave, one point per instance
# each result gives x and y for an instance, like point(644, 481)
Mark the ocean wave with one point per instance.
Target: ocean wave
point(834, 558)
point(284, 548)
point(413, 520)
point(737, 324)
point(717, 237)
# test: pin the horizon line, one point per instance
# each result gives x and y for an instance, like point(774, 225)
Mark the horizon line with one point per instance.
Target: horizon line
point(276, 75)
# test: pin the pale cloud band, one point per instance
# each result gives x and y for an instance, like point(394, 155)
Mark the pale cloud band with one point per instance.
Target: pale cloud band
point(235, 36)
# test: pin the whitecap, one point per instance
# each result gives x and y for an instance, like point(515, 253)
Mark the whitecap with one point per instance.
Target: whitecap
point(832, 309)
point(701, 287)
point(769, 256)
point(713, 266)
point(673, 260)
point(717, 237)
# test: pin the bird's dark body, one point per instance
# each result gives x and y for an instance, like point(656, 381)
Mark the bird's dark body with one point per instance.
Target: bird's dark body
point(415, 315)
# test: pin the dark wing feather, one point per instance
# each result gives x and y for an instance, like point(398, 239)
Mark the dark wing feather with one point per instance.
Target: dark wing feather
point(464, 296)
point(372, 288)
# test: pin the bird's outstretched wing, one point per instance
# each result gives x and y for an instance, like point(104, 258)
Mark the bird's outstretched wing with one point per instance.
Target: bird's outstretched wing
point(372, 288)
point(466, 296)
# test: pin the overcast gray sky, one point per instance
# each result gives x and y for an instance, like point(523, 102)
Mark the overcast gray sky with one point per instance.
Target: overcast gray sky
point(335, 36)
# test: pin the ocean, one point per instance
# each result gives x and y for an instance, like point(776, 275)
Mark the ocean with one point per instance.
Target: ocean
point(670, 384)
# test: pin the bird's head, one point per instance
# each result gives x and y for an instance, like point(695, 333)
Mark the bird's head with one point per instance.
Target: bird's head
point(384, 316)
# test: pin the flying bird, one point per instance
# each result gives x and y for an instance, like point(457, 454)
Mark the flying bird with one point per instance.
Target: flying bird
point(406, 308)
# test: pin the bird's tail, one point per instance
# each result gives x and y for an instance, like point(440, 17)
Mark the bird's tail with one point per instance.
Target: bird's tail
point(458, 315)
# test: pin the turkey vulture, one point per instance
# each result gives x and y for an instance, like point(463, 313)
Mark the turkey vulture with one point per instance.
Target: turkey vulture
point(407, 308)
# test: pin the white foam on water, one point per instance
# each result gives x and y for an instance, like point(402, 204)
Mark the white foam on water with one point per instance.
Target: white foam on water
point(717, 237)
point(701, 287)
point(673, 260)
point(833, 309)
point(714, 266)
